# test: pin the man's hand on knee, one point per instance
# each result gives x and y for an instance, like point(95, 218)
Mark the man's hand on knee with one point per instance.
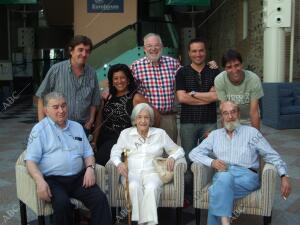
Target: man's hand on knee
point(43, 191)
point(219, 165)
point(89, 178)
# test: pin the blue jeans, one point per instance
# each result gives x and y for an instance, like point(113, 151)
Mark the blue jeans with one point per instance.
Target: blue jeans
point(192, 134)
point(236, 182)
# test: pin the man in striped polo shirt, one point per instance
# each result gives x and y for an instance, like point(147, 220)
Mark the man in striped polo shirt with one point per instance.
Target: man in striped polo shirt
point(234, 152)
point(155, 76)
point(77, 81)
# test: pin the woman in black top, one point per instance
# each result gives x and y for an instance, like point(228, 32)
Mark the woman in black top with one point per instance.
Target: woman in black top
point(114, 115)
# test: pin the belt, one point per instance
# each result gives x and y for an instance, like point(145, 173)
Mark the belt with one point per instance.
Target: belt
point(168, 112)
point(253, 170)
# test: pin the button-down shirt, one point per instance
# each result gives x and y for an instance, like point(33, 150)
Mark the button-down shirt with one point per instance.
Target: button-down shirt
point(157, 82)
point(80, 92)
point(241, 149)
point(58, 151)
point(142, 152)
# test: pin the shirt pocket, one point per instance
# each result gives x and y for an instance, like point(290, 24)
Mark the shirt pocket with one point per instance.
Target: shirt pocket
point(86, 93)
point(76, 147)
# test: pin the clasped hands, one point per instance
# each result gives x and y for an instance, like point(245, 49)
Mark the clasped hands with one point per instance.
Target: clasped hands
point(124, 172)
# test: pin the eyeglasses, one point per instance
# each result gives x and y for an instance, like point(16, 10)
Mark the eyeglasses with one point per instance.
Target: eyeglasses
point(153, 46)
point(232, 112)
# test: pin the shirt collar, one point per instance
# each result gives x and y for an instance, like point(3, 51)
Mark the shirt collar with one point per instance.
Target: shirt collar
point(236, 130)
point(149, 62)
point(52, 123)
point(70, 67)
point(151, 131)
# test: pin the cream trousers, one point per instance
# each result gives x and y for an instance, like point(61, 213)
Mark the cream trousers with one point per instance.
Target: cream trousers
point(144, 188)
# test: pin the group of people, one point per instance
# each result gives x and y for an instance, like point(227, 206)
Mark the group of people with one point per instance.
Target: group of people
point(138, 113)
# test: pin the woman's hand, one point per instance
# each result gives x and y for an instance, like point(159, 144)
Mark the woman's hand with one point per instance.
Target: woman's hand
point(89, 124)
point(122, 169)
point(170, 164)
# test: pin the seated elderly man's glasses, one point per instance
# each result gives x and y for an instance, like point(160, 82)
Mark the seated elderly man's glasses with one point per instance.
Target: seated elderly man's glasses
point(153, 46)
point(232, 112)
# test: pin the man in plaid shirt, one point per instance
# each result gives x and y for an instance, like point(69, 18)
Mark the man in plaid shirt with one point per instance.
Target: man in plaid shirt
point(155, 76)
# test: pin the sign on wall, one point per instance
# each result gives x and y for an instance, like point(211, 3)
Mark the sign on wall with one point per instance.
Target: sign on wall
point(105, 6)
point(18, 1)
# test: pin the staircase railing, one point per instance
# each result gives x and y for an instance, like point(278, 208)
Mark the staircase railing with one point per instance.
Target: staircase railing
point(130, 37)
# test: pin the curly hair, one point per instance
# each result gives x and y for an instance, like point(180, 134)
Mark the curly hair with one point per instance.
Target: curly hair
point(126, 70)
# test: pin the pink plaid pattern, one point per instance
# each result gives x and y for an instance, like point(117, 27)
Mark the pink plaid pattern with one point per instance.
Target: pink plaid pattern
point(157, 82)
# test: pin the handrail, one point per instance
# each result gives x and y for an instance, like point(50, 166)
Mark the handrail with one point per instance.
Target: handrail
point(130, 26)
point(114, 35)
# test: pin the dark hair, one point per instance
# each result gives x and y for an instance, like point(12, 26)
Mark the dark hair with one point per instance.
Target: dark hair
point(231, 55)
point(80, 39)
point(196, 40)
point(125, 69)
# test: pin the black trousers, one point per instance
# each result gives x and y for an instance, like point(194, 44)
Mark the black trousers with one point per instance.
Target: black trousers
point(64, 187)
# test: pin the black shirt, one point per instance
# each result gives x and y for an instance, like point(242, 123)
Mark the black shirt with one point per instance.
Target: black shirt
point(116, 114)
point(188, 79)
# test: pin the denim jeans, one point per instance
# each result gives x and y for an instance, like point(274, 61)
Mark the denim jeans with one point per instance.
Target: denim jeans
point(227, 186)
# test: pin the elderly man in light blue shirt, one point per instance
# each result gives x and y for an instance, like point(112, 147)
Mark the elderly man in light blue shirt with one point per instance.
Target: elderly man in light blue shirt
point(235, 150)
point(60, 160)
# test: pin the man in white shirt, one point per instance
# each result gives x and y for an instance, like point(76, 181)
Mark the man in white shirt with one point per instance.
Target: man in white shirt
point(235, 150)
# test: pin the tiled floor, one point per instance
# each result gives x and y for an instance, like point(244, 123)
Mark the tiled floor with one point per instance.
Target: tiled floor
point(17, 121)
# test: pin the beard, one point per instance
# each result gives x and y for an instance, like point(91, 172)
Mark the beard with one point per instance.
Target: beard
point(231, 126)
point(153, 58)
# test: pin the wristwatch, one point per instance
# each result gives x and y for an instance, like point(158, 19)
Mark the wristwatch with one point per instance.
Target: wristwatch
point(192, 93)
point(92, 166)
point(284, 175)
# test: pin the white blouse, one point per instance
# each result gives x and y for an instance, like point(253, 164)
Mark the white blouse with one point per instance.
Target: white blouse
point(142, 151)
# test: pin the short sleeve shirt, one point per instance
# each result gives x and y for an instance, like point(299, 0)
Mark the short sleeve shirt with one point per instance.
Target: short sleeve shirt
point(188, 79)
point(58, 151)
point(80, 93)
point(250, 89)
point(157, 82)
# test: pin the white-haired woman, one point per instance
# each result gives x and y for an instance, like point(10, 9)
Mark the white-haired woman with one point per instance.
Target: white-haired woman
point(144, 143)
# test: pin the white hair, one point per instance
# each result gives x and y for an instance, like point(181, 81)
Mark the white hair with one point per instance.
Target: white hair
point(152, 35)
point(138, 109)
point(52, 95)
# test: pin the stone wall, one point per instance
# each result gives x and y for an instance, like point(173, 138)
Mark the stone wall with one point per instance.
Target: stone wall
point(224, 30)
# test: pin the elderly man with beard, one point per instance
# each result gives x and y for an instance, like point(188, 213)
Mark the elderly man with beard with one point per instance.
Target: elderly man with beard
point(235, 150)
point(155, 76)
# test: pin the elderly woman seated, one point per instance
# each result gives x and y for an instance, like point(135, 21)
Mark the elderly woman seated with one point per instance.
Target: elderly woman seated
point(144, 143)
